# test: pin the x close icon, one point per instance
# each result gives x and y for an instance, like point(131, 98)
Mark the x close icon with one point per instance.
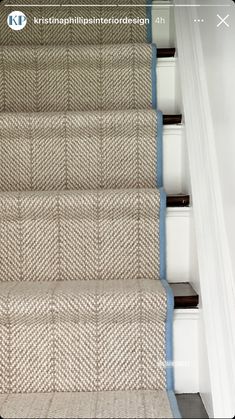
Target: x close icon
point(223, 21)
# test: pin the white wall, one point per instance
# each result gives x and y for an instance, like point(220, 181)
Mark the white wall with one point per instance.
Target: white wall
point(207, 64)
point(218, 46)
point(219, 55)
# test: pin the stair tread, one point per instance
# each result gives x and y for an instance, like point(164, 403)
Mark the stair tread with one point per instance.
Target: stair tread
point(78, 405)
point(106, 290)
point(184, 295)
point(176, 200)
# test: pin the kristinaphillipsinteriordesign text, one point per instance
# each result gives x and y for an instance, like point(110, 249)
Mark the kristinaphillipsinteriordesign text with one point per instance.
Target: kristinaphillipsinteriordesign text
point(91, 21)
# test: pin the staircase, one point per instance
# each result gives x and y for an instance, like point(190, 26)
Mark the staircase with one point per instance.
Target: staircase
point(87, 232)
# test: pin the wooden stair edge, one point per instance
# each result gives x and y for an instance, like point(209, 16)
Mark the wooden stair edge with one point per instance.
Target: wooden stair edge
point(165, 52)
point(178, 201)
point(172, 119)
point(184, 295)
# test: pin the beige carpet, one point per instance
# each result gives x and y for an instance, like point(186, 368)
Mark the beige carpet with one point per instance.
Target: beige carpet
point(79, 235)
point(109, 404)
point(78, 150)
point(76, 78)
point(82, 336)
point(85, 316)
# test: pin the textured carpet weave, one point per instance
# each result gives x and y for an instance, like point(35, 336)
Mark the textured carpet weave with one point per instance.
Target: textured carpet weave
point(109, 404)
point(82, 336)
point(68, 235)
point(85, 315)
point(86, 150)
point(59, 78)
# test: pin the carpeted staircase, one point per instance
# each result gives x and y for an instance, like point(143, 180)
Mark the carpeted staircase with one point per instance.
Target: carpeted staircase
point(85, 309)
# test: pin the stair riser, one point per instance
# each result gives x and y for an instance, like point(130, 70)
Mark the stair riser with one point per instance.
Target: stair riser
point(174, 161)
point(163, 30)
point(163, 35)
point(178, 244)
point(168, 90)
point(186, 350)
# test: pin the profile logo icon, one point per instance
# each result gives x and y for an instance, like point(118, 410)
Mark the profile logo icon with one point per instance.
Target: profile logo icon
point(16, 21)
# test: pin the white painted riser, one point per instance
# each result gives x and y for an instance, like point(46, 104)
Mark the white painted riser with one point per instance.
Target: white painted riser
point(163, 35)
point(178, 244)
point(174, 169)
point(186, 332)
point(168, 90)
point(163, 29)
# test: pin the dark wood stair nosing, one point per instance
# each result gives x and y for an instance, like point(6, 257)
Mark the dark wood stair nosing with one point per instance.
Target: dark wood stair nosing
point(184, 295)
point(172, 119)
point(165, 52)
point(178, 201)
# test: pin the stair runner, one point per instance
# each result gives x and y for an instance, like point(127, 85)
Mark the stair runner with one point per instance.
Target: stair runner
point(85, 310)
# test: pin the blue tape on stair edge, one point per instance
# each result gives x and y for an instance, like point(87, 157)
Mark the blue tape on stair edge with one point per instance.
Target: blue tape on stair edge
point(162, 234)
point(159, 149)
point(149, 17)
point(170, 308)
point(154, 76)
point(174, 405)
point(159, 181)
point(170, 299)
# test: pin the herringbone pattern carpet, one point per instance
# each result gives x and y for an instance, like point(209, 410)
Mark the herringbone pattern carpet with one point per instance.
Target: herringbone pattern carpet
point(83, 310)
point(116, 329)
point(110, 404)
point(77, 78)
point(116, 149)
point(74, 235)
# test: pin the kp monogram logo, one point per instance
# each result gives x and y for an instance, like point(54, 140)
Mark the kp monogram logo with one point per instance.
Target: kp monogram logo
point(16, 21)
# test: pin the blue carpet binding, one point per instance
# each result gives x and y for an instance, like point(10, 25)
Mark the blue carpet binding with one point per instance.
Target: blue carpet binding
point(159, 184)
